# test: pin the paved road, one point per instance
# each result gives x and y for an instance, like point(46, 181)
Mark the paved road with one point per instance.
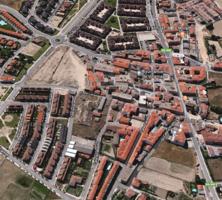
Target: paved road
point(203, 165)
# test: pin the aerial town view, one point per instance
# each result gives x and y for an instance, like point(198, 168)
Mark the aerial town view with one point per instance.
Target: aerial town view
point(110, 99)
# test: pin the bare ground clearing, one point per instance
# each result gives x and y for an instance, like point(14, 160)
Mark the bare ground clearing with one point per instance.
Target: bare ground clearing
point(62, 68)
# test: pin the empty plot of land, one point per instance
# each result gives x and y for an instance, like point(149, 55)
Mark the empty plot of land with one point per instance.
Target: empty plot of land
point(16, 185)
point(201, 45)
point(85, 124)
point(8, 175)
point(55, 21)
point(175, 154)
point(215, 166)
point(217, 77)
point(63, 68)
point(215, 97)
point(217, 27)
point(16, 4)
point(148, 176)
point(219, 3)
point(30, 49)
point(172, 169)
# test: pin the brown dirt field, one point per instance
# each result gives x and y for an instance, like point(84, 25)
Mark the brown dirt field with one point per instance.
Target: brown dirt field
point(16, 4)
point(62, 68)
point(200, 37)
point(8, 175)
point(217, 77)
point(215, 166)
point(30, 49)
point(84, 123)
point(176, 154)
point(215, 96)
point(163, 181)
point(169, 168)
point(217, 28)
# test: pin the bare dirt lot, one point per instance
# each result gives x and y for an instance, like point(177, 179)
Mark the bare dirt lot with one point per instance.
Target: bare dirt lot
point(215, 97)
point(175, 154)
point(169, 167)
point(84, 123)
point(148, 176)
point(62, 68)
point(219, 3)
point(200, 37)
point(217, 28)
point(172, 169)
point(30, 49)
point(217, 77)
point(215, 166)
point(55, 21)
point(16, 4)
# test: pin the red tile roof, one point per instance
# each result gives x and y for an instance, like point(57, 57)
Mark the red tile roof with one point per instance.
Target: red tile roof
point(121, 62)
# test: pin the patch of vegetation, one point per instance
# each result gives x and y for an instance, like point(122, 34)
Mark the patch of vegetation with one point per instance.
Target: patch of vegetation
point(215, 100)
point(6, 52)
point(39, 190)
point(7, 94)
point(1, 123)
point(4, 142)
point(42, 50)
point(175, 154)
point(82, 3)
point(113, 22)
point(75, 191)
point(148, 188)
point(14, 122)
point(106, 147)
point(111, 2)
point(119, 196)
point(105, 47)
point(24, 181)
point(23, 72)
point(6, 26)
point(86, 164)
point(12, 135)
point(81, 172)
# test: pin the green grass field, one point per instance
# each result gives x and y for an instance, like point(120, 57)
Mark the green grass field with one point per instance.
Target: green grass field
point(8, 92)
point(75, 191)
point(111, 2)
point(4, 142)
point(113, 22)
point(42, 50)
point(14, 122)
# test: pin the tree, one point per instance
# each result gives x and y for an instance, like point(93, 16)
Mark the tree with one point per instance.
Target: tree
point(210, 26)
